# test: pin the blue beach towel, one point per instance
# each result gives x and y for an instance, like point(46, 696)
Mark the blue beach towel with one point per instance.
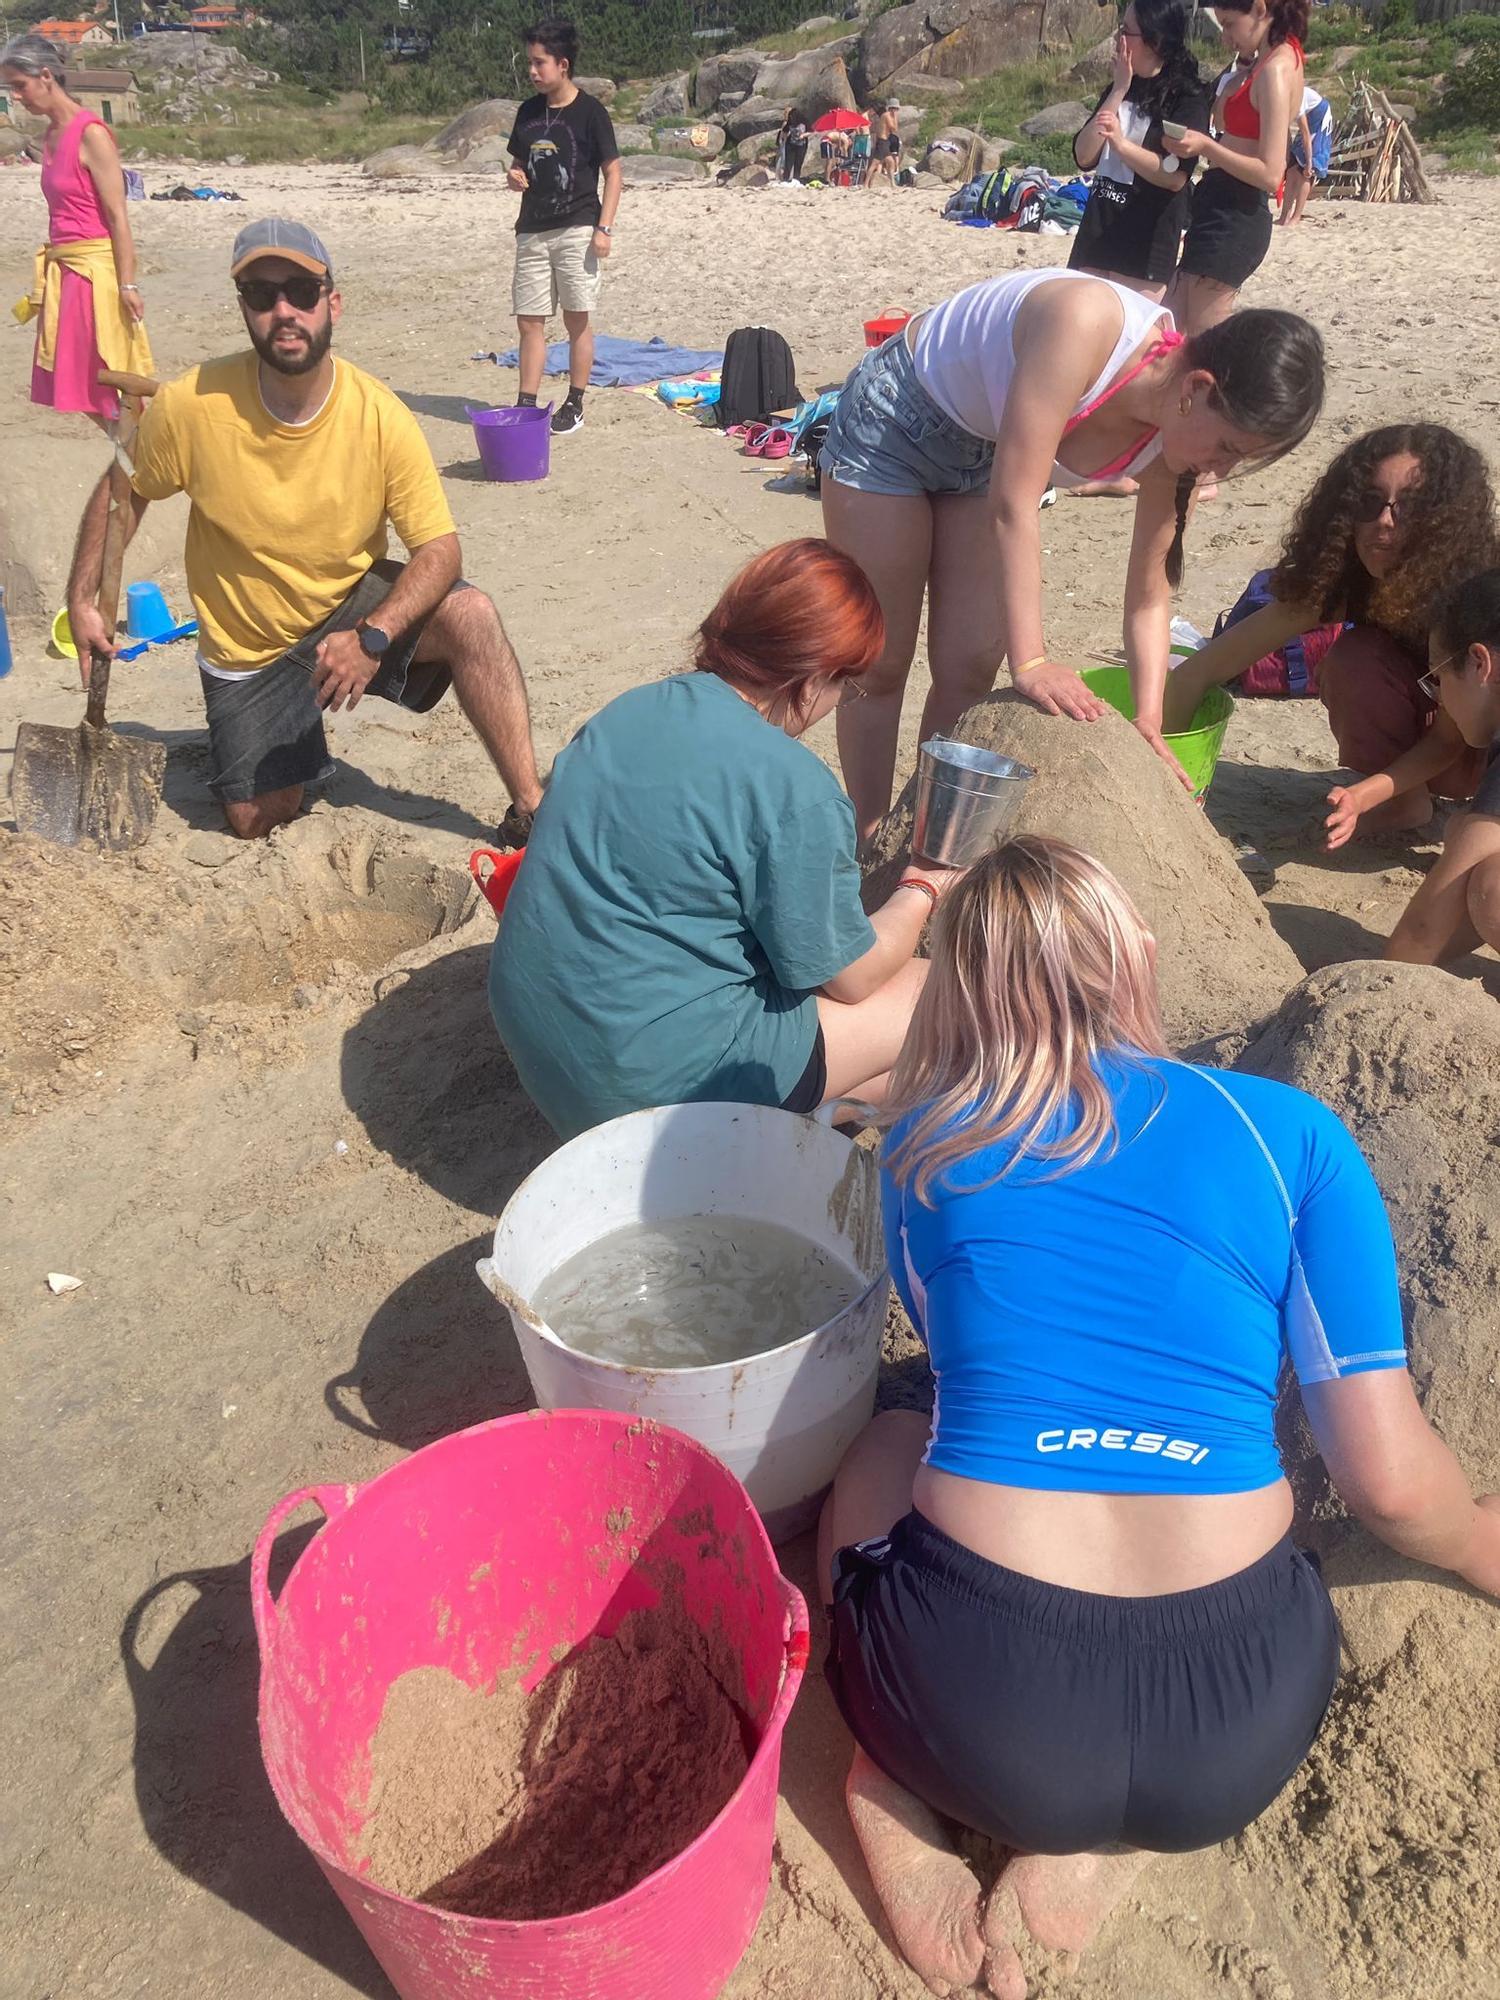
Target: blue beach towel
point(621, 364)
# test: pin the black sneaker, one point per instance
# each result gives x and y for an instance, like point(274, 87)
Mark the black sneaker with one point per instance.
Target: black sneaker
point(568, 416)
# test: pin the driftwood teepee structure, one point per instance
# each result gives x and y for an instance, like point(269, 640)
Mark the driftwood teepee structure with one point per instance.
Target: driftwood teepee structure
point(1375, 154)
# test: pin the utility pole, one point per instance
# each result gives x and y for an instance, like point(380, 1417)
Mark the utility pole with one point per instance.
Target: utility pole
point(361, 55)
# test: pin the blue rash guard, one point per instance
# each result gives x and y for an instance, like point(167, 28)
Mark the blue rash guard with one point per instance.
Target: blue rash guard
point(1120, 1327)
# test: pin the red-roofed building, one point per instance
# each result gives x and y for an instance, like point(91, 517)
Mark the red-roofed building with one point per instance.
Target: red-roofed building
point(74, 34)
point(211, 19)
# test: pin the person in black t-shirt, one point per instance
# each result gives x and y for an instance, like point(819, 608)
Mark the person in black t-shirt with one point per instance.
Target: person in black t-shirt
point(1132, 227)
point(561, 142)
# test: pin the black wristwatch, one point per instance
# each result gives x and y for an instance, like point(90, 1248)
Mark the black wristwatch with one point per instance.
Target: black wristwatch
point(375, 642)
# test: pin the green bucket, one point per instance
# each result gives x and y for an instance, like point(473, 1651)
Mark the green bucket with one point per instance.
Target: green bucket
point(1196, 749)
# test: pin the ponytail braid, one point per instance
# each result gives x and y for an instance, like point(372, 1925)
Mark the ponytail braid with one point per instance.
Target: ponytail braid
point(1185, 483)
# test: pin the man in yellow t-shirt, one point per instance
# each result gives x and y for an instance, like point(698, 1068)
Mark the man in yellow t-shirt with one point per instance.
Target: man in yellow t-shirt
point(296, 464)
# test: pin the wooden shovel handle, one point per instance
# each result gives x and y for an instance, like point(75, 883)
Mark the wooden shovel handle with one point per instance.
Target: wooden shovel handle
point(144, 386)
point(116, 534)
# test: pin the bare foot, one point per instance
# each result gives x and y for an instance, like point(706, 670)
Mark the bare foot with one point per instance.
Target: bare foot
point(1058, 1901)
point(1104, 489)
point(928, 1892)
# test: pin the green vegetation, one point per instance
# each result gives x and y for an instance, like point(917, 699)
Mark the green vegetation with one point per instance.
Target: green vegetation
point(1449, 72)
point(279, 135)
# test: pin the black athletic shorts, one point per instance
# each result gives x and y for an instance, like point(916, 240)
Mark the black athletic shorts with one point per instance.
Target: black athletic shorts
point(1055, 1720)
point(1228, 232)
point(265, 731)
point(806, 1094)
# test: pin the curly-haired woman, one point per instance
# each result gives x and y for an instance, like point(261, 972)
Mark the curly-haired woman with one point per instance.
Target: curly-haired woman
point(1401, 515)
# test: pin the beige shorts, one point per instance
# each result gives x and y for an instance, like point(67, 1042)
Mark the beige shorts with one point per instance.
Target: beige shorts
point(556, 269)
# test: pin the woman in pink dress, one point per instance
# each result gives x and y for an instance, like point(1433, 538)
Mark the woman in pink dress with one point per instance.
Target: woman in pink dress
point(85, 296)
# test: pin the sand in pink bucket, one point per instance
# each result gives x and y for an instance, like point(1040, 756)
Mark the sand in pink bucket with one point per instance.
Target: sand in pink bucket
point(506, 1542)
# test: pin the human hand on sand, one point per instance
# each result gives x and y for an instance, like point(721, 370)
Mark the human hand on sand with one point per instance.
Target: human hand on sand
point(1152, 732)
point(1343, 820)
point(1057, 690)
point(342, 672)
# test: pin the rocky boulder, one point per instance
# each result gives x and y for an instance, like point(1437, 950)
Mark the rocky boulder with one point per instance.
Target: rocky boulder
point(648, 170)
point(1095, 67)
point(394, 163)
point(815, 82)
point(691, 142)
point(494, 119)
point(755, 115)
point(633, 138)
point(757, 148)
point(668, 100)
point(1056, 118)
point(490, 156)
point(963, 38)
point(602, 87)
point(950, 152)
point(926, 89)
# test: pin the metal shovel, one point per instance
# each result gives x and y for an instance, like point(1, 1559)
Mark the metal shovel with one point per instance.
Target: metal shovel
point(88, 784)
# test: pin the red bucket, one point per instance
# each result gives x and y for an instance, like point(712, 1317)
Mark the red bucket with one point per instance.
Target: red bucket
point(496, 875)
point(879, 331)
point(494, 1535)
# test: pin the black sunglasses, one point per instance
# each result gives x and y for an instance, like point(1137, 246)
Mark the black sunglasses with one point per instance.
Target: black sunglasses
point(1370, 506)
point(301, 291)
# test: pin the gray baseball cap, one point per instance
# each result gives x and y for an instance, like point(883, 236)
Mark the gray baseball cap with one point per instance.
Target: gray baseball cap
point(276, 237)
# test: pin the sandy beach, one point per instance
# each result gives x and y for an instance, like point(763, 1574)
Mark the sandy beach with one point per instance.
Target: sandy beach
point(252, 1097)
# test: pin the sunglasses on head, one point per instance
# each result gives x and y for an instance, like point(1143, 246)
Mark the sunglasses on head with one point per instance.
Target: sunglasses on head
point(301, 291)
point(1370, 506)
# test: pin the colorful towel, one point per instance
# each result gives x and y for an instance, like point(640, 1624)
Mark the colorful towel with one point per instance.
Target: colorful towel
point(621, 364)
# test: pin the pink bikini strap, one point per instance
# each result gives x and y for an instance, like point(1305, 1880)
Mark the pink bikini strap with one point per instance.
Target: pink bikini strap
point(1169, 340)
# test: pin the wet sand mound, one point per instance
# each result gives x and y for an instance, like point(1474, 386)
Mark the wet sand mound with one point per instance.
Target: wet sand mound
point(1386, 1841)
point(1221, 965)
point(102, 951)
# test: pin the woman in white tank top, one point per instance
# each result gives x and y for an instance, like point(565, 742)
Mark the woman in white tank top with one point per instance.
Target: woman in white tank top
point(945, 439)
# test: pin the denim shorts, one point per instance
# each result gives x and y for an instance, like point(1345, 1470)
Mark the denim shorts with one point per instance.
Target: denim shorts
point(887, 435)
point(265, 730)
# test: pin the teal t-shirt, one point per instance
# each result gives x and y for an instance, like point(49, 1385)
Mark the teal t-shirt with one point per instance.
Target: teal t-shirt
point(689, 882)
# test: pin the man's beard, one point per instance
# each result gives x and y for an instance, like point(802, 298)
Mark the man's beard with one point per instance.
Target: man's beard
point(295, 363)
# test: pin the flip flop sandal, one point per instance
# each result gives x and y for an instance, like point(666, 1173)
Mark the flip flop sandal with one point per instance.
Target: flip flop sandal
point(744, 430)
point(776, 444)
point(758, 437)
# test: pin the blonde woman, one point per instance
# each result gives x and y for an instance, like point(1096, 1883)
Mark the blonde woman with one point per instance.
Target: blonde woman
point(85, 297)
point(1067, 1611)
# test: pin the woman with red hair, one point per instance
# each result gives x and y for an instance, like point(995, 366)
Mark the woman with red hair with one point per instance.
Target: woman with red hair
point(687, 923)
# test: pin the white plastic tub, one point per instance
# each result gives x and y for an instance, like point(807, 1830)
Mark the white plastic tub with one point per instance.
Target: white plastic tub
point(780, 1421)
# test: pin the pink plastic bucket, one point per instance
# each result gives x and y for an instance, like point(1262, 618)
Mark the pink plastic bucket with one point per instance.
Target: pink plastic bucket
point(514, 445)
point(511, 1539)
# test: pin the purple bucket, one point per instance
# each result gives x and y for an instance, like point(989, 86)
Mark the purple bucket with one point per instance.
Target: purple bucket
point(514, 444)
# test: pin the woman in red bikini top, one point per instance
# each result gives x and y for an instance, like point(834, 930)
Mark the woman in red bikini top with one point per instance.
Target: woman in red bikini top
point(1228, 234)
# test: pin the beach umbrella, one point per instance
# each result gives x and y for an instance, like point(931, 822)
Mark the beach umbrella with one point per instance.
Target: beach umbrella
point(841, 121)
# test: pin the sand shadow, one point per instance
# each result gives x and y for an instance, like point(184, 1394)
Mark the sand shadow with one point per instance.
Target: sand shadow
point(1321, 937)
point(425, 1073)
point(447, 409)
point(438, 1356)
point(201, 1788)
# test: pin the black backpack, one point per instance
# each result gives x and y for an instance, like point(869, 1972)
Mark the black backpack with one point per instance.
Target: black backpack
point(757, 378)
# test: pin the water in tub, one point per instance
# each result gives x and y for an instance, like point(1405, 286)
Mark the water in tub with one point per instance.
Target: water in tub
point(694, 1292)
